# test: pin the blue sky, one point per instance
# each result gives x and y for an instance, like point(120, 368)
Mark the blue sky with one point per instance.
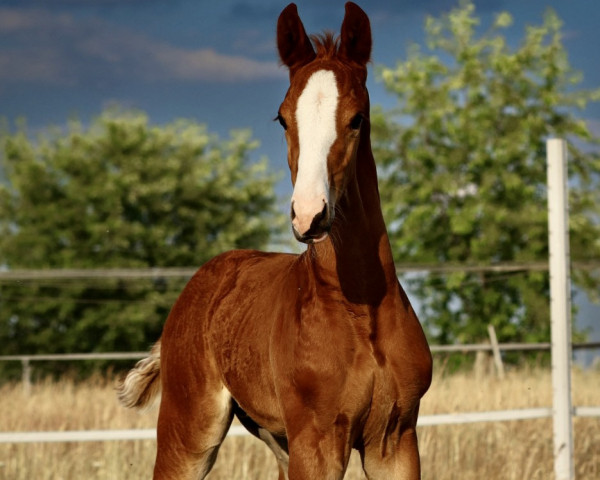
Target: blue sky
point(215, 61)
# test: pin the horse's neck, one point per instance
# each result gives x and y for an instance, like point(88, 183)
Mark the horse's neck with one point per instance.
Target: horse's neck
point(357, 254)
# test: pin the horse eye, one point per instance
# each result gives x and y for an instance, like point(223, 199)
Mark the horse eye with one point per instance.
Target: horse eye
point(281, 121)
point(356, 121)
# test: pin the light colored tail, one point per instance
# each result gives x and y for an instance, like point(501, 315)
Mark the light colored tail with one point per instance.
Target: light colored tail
point(141, 386)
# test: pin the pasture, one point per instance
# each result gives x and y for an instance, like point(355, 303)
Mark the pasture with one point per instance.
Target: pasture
point(513, 450)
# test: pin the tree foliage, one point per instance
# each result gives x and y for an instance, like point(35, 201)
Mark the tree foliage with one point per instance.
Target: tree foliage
point(121, 193)
point(463, 171)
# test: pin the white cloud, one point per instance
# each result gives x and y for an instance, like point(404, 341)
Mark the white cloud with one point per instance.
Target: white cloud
point(59, 48)
point(206, 64)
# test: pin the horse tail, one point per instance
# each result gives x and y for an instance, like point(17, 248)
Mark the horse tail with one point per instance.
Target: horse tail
point(141, 386)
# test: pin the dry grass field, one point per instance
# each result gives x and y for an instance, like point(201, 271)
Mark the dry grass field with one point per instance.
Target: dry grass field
point(518, 450)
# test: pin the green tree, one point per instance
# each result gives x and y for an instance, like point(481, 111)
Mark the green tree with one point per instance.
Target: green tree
point(463, 171)
point(121, 193)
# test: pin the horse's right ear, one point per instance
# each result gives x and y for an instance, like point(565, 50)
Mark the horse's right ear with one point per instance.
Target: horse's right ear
point(295, 49)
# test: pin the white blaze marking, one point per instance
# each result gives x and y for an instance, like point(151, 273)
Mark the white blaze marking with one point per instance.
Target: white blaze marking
point(315, 116)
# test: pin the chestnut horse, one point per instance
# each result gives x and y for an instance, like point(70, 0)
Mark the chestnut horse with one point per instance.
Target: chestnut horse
point(316, 353)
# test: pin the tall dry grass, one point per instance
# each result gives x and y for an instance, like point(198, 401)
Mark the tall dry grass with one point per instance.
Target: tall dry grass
point(518, 450)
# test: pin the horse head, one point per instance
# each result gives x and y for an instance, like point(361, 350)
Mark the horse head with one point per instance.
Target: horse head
point(325, 114)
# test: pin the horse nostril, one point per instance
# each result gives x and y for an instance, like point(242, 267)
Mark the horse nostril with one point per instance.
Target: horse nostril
point(292, 212)
point(324, 213)
point(321, 217)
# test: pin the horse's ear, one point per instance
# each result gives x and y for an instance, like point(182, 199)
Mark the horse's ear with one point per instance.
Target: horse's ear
point(293, 43)
point(355, 41)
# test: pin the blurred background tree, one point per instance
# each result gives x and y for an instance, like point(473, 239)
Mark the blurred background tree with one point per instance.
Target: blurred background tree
point(463, 172)
point(121, 193)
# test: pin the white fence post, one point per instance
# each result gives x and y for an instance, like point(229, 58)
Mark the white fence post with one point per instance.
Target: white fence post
point(560, 308)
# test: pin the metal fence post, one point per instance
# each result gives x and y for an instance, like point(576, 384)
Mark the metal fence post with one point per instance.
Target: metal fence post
point(560, 308)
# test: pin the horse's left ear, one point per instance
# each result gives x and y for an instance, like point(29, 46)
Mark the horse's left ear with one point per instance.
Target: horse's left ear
point(355, 41)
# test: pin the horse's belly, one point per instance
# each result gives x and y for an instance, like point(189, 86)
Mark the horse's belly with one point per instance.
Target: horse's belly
point(257, 399)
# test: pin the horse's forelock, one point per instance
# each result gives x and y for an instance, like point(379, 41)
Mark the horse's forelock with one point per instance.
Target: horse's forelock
point(326, 44)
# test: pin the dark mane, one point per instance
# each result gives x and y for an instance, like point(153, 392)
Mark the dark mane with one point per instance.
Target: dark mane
point(326, 44)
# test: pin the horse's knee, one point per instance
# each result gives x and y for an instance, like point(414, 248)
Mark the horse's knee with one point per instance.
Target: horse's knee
point(178, 464)
point(398, 463)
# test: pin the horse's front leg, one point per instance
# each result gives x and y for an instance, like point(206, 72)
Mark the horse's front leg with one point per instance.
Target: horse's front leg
point(195, 413)
point(319, 451)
